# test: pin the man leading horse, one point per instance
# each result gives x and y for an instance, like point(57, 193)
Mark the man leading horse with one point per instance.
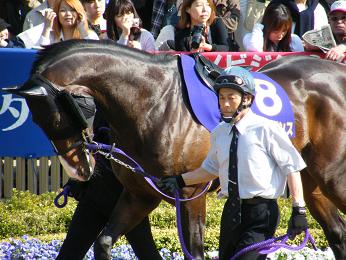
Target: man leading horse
point(253, 157)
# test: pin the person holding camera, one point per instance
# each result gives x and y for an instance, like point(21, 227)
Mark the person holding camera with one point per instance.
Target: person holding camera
point(199, 29)
point(124, 26)
point(67, 20)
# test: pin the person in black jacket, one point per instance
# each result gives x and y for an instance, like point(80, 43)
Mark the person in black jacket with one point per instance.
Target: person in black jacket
point(199, 29)
point(97, 198)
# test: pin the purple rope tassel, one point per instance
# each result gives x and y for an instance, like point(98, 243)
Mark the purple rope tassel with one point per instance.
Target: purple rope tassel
point(275, 246)
point(271, 245)
point(65, 191)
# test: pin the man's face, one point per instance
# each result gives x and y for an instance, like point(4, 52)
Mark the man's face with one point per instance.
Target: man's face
point(229, 100)
point(337, 22)
point(95, 8)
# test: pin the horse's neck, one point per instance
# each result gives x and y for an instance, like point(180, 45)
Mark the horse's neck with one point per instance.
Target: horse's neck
point(139, 97)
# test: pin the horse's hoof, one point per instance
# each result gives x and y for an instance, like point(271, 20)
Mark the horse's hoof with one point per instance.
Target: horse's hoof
point(102, 248)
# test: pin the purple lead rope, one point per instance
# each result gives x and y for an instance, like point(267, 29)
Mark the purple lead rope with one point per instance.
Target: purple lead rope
point(139, 169)
point(264, 247)
point(106, 147)
point(65, 191)
point(151, 180)
point(180, 230)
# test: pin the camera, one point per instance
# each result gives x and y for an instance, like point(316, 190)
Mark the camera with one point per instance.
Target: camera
point(135, 31)
point(197, 32)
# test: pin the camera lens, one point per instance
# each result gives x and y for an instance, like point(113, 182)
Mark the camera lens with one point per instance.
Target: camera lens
point(197, 33)
point(135, 33)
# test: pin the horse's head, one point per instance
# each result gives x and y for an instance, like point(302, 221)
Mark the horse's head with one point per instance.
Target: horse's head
point(65, 115)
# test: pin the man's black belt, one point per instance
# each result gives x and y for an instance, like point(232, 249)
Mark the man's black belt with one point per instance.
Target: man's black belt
point(255, 200)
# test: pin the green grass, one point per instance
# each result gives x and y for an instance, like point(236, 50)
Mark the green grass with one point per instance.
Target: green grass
point(37, 216)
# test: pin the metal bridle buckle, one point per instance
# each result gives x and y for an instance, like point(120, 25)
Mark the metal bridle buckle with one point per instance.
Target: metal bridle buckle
point(109, 154)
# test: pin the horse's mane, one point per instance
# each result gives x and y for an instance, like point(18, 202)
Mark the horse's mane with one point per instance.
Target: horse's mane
point(57, 51)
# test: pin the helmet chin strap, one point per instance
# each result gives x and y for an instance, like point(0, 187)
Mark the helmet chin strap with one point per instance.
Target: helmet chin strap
point(230, 119)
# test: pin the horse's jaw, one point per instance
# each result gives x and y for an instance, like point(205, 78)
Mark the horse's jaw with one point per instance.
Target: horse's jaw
point(81, 172)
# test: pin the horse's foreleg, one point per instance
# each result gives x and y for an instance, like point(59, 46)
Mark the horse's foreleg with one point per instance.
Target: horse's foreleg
point(327, 216)
point(193, 225)
point(127, 214)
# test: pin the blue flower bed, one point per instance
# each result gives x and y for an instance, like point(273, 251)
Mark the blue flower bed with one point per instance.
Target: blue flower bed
point(31, 248)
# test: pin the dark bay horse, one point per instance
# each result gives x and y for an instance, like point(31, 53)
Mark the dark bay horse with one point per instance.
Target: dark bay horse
point(145, 101)
point(317, 91)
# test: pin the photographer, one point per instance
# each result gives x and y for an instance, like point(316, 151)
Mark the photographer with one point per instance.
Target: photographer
point(198, 28)
point(124, 26)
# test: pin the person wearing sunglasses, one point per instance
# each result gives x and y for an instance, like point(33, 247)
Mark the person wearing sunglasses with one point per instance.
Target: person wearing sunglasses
point(337, 21)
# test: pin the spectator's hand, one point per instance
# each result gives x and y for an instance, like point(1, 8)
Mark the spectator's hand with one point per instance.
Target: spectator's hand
point(204, 46)
point(125, 26)
point(171, 183)
point(134, 44)
point(336, 53)
point(82, 25)
point(298, 222)
point(49, 16)
point(3, 43)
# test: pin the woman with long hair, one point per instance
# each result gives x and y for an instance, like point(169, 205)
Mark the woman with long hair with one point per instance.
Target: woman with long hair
point(67, 20)
point(306, 14)
point(274, 33)
point(199, 29)
point(124, 26)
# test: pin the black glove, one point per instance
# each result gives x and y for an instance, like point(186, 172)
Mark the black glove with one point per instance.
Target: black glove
point(171, 183)
point(298, 222)
point(77, 189)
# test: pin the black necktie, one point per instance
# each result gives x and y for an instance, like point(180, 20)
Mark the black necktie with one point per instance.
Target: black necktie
point(233, 189)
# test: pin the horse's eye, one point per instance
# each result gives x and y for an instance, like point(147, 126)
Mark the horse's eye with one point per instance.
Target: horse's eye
point(56, 121)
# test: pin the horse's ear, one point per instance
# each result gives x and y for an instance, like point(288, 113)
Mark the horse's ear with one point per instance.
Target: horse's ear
point(33, 91)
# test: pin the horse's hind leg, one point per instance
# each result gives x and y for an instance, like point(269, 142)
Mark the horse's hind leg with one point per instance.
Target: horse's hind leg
point(327, 215)
point(127, 214)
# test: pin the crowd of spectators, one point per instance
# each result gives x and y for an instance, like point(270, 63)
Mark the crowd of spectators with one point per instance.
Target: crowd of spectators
point(179, 25)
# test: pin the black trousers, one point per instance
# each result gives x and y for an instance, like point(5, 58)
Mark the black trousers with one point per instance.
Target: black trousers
point(92, 214)
point(258, 223)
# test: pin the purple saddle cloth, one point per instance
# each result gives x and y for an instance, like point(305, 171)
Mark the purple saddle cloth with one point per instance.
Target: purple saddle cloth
point(203, 100)
point(271, 100)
